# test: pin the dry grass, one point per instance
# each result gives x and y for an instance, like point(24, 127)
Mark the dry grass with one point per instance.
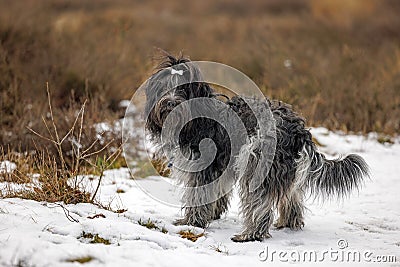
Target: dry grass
point(144, 168)
point(24, 167)
point(344, 55)
point(81, 260)
point(60, 164)
point(189, 234)
point(119, 211)
point(51, 185)
point(94, 238)
point(220, 249)
point(149, 224)
point(161, 167)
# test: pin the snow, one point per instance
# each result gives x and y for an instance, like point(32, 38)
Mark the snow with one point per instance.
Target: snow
point(131, 108)
point(7, 166)
point(40, 234)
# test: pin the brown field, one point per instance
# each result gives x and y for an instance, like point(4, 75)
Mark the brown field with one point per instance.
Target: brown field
point(336, 61)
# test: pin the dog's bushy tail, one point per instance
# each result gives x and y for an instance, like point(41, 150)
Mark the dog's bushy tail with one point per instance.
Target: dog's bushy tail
point(329, 178)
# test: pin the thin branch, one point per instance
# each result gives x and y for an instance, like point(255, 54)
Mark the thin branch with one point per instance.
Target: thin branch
point(98, 185)
point(90, 147)
point(81, 124)
point(81, 111)
point(98, 151)
point(48, 129)
point(41, 136)
point(51, 113)
point(113, 157)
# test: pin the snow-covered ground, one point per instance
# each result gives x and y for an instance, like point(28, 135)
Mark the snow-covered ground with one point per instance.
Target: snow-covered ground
point(367, 224)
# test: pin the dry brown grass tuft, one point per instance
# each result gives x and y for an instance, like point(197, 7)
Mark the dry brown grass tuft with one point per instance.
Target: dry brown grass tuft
point(60, 164)
point(24, 167)
point(94, 238)
point(81, 260)
point(149, 224)
point(189, 234)
point(161, 167)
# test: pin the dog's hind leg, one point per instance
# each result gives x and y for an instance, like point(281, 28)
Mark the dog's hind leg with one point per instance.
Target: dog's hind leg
point(291, 210)
point(256, 229)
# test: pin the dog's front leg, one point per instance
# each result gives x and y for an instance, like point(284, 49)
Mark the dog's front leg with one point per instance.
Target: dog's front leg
point(201, 215)
point(196, 216)
point(196, 212)
point(204, 199)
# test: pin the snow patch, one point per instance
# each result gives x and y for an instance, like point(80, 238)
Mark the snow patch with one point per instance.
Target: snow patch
point(7, 166)
point(40, 234)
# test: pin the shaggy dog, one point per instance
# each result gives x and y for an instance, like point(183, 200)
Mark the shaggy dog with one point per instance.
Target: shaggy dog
point(296, 168)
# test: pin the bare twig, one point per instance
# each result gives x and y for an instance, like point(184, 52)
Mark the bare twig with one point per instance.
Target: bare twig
point(40, 135)
point(98, 151)
point(66, 212)
point(98, 186)
point(105, 164)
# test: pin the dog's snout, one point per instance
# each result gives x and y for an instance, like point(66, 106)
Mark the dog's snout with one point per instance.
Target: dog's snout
point(171, 103)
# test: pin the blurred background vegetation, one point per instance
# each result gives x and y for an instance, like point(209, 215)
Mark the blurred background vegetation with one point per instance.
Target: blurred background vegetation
point(336, 61)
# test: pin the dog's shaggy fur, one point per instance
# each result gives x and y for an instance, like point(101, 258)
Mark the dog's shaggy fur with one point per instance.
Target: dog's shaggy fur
point(297, 166)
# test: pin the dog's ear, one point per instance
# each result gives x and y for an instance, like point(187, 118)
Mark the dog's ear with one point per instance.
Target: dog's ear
point(152, 126)
point(153, 89)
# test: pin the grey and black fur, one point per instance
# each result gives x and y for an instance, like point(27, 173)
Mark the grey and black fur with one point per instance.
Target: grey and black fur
point(297, 168)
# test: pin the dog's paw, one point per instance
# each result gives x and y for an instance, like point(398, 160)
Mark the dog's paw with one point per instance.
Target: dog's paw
point(295, 225)
point(279, 225)
point(217, 217)
point(249, 238)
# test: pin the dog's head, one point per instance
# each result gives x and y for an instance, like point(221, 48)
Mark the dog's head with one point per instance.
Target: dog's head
point(176, 80)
